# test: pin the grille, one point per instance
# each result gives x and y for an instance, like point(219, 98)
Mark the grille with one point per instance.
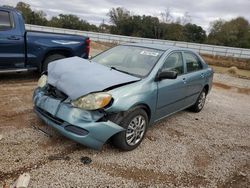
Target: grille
point(49, 116)
point(71, 128)
point(76, 130)
point(55, 93)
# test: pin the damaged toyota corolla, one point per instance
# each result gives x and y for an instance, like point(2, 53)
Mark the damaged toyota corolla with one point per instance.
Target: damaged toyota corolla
point(119, 93)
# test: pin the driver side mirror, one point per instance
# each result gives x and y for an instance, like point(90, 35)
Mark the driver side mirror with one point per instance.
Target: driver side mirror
point(166, 74)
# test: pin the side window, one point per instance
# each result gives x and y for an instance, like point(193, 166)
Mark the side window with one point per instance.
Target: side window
point(192, 61)
point(174, 62)
point(5, 22)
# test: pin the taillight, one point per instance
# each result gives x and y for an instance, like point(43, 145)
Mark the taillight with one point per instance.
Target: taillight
point(87, 43)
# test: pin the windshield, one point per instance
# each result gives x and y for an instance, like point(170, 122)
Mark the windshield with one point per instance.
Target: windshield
point(133, 60)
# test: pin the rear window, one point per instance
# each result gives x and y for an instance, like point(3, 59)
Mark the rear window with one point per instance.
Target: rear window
point(5, 21)
point(192, 61)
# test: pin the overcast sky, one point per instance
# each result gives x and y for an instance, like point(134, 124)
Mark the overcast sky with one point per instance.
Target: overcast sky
point(201, 12)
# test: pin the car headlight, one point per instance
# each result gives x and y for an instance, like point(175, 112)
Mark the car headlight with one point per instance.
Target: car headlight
point(92, 101)
point(42, 81)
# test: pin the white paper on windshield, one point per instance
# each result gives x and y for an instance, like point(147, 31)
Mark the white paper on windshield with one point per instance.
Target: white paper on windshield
point(149, 53)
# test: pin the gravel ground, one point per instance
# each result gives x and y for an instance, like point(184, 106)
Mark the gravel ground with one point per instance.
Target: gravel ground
point(207, 149)
point(232, 81)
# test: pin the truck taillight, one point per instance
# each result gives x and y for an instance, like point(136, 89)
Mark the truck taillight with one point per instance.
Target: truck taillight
point(87, 43)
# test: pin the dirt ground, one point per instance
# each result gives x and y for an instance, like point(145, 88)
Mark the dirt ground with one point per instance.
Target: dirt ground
point(207, 149)
point(227, 61)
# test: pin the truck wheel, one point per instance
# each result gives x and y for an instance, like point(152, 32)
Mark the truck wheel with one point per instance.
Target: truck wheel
point(199, 104)
point(135, 124)
point(51, 58)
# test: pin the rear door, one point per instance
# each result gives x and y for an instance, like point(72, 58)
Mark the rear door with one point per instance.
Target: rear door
point(172, 92)
point(194, 76)
point(12, 44)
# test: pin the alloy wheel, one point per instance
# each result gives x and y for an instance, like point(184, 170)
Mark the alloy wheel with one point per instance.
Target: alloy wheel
point(135, 130)
point(202, 100)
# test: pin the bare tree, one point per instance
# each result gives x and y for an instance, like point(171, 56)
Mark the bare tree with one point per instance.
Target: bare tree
point(166, 16)
point(185, 19)
point(118, 14)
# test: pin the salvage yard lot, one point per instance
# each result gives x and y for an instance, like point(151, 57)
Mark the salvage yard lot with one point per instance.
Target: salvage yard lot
point(208, 149)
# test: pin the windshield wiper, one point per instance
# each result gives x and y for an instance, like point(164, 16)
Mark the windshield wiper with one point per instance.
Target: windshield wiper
point(114, 68)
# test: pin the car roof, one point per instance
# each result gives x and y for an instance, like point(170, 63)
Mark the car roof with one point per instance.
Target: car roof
point(150, 45)
point(7, 8)
point(158, 46)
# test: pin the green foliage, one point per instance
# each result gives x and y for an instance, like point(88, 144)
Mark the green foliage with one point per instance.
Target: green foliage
point(121, 20)
point(173, 31)
point(194, 33)
point(31, 17)
point(150, 27)
point(235, 32)
point(133, 25)
point(70, 21)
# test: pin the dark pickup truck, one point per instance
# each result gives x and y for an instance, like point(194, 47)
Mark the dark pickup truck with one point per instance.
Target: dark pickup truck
point(22, 50)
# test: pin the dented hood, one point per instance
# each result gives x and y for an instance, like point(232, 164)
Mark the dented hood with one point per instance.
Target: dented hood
point(77, 77)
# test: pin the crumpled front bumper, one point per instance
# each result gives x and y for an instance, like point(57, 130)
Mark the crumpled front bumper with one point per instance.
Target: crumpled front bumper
point(79, 125)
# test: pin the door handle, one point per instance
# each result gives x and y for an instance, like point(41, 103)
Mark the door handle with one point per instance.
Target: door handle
point(13, 38)
point(184, 80)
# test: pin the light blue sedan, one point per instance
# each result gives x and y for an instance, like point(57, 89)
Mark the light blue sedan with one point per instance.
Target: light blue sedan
point(121, 92)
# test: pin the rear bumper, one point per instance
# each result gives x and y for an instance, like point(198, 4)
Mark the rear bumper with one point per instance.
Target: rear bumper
point(79, 125)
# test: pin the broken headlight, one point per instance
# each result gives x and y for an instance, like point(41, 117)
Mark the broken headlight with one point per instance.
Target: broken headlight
point(42, 81)
point(92, 101)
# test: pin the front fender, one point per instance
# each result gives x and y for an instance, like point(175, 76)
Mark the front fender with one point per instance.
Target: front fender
point(129, 96)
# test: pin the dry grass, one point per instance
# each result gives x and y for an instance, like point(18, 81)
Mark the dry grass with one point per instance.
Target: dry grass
point(233, 71)
point(101, 45)
point(227, 61)
point(232, 88)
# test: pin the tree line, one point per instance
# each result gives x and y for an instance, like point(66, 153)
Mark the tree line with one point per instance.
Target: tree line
point(235, 32)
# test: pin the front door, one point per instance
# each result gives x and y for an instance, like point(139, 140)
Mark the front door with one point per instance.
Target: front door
point(172, 92)
point(12, 47)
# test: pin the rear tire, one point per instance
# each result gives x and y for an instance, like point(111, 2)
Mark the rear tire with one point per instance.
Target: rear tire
point(135, 124)
point(199, 104)
point(49, 59)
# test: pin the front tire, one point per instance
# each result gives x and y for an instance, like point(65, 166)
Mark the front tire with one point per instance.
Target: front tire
point(199, 104)
point(135, 124)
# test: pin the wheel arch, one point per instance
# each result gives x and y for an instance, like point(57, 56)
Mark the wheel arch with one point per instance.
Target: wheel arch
point(64, 52)
point(116, 117)
point(206, 87)
point(144, 107)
